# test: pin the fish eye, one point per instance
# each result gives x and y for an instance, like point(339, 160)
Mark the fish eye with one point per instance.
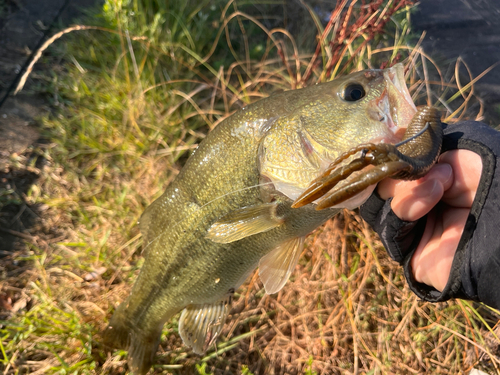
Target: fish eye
point(353, 92)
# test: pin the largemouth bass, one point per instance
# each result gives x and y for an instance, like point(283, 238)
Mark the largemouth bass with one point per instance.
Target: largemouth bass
point(229, 209)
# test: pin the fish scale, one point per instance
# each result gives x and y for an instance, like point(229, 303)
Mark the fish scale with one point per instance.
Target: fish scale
point(225, 211)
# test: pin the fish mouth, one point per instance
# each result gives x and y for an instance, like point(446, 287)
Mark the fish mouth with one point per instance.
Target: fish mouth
point(394, 107)
point(401, 108)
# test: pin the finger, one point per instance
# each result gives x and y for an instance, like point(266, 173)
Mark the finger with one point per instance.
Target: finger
point(467, 167)
point(412, 204)
point(431, 263)
point(386, 188)
point(390, 187)
point(414, 199)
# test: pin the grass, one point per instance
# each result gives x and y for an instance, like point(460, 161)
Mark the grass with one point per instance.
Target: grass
point(135, 97)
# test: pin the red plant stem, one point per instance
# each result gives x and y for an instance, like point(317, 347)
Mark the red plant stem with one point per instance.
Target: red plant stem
point(365, 23)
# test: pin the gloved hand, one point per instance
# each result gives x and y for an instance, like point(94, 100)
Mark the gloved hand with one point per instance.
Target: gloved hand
point(444, 229)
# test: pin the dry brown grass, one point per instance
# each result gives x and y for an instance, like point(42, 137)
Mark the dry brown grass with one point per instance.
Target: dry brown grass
point(346, 309)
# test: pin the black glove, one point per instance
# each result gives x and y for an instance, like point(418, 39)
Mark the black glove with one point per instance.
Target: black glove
point(475, 271)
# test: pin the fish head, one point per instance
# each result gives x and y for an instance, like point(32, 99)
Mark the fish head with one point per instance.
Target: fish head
point(370, 106)
point(367, 106)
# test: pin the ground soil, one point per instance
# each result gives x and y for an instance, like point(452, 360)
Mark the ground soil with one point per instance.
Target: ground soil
point(24, 25)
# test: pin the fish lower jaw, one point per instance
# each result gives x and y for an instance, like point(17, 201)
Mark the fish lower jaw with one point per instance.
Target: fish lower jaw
point(395, 132)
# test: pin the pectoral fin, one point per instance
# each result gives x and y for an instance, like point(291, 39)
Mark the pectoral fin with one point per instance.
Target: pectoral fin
point(200, 325)
point(275, 267)
point(245, 222)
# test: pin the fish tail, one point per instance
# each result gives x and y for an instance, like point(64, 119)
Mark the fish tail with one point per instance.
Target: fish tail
point(142, 350)
point(117, 333)
point(141, 344)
